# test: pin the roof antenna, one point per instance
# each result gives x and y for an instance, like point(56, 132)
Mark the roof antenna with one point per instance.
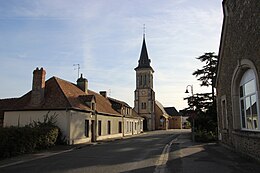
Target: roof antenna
point(109, 92)
point(78, 67)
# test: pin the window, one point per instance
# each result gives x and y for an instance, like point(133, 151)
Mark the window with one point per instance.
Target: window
point(248, 102)
point(87, 128)
point(143, 106)
point(99, 127)
point(119, 127)
point(144, 79)
point(141, 79)
point(108, 127)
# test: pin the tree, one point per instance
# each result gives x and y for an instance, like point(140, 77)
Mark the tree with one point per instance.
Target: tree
point(207, 73)
point(203, 104)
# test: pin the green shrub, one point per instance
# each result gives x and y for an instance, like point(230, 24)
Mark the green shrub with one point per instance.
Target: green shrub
point(204, 136)
point(20, 140)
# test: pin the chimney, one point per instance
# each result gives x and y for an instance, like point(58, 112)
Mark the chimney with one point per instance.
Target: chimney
point(38, 86)
point(103, 93)
point(82, 83)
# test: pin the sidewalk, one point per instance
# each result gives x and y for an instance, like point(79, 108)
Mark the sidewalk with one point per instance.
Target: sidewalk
point(191, 157)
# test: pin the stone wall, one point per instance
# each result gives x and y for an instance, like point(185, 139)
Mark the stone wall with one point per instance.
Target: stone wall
point(239, 41)
point(247, 143)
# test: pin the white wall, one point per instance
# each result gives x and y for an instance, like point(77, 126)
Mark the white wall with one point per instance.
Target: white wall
point(22, 118)
point(114, 121)
point(132, 126)
point(71, 123)
point(77, 127)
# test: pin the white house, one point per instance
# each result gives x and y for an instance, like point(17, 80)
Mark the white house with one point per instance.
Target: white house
point(82, 115)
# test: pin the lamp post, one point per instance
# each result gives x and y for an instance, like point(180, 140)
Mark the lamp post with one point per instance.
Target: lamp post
point(193, 122)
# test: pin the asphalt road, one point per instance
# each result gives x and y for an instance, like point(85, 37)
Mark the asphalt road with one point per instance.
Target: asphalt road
point(138, 154)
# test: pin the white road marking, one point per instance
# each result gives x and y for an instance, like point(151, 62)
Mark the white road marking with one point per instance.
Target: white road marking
point(161, 162)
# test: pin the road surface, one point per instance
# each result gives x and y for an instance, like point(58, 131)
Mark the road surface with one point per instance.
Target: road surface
point(147, 153)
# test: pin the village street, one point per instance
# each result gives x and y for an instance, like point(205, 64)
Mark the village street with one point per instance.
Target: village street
point(153, 152)
point(139, 154)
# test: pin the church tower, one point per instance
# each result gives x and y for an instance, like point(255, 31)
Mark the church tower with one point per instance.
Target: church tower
point(144, 94)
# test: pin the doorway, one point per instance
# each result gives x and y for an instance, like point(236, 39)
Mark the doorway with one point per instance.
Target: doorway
point(93, 131)
point(145, 124)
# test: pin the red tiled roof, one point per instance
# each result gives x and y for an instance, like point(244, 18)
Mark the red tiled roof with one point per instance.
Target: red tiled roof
point(103, 104)
point(60, 94)
point(7, 103)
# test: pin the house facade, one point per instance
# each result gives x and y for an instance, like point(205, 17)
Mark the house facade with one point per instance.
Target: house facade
point(81, 114)
point(133, 123)
point(238, 77)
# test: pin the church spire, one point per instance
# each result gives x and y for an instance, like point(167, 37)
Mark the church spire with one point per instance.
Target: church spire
point(144, 61)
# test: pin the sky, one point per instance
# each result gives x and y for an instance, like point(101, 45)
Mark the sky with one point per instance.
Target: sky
point(105, 38)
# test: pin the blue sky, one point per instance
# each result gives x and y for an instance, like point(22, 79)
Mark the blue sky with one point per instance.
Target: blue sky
point(105, 37)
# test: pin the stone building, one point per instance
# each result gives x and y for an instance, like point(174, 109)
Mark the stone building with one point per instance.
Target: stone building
point(238, 77)
point(144, 103)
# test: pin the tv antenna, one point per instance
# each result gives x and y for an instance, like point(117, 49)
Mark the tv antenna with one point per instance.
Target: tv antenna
point(109, 92)
point(76, 66)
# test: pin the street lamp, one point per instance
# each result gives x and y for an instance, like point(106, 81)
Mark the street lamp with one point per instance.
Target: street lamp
point(193, 122)
point(191, 88)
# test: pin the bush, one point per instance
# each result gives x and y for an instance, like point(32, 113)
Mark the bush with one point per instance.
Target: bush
point(204, 136)
point(20, 140)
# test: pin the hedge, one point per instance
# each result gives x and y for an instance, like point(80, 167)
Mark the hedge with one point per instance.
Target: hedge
point(20, 140)
point(204, 136)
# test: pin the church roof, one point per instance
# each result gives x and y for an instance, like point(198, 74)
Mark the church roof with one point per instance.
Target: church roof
point(144, 61)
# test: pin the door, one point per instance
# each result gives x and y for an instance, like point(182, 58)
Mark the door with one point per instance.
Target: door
point(93, 139)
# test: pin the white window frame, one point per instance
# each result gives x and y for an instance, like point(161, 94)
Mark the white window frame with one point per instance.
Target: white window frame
point(248, 76)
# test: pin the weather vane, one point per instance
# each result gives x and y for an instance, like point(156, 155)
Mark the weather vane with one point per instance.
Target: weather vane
point(78, 67)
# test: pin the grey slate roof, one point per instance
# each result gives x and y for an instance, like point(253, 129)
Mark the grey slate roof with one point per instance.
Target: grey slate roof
point(144, 61)
point(172, 111)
